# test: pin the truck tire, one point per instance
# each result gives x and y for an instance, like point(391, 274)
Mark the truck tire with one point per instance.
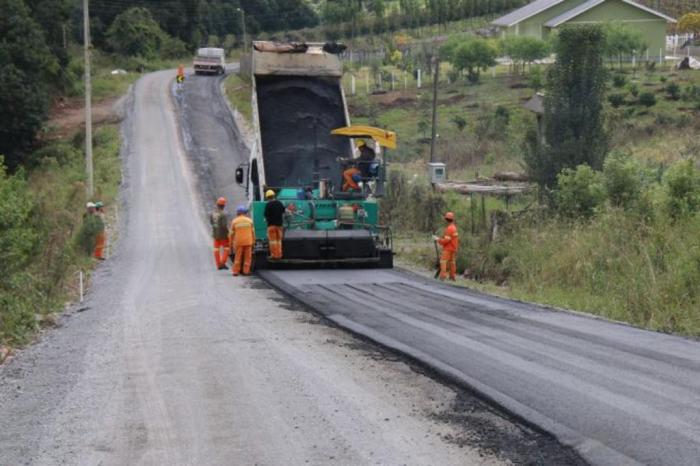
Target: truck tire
point(386, 259)
point(260, 260)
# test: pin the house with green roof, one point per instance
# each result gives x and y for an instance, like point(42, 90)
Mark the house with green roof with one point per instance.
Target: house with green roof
point(541, 17)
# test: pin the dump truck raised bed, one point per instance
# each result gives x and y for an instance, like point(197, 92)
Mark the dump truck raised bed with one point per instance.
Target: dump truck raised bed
point(303, 144)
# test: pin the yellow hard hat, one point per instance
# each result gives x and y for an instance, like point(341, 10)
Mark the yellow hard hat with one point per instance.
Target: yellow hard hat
point(360, 143)
point(269, 194)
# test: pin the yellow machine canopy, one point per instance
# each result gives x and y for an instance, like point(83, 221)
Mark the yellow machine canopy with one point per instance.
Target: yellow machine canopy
point(382, 137)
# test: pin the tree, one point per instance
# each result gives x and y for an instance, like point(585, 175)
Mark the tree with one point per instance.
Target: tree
point(690, 22)
point(474, 56)
point(26, 69)
point(621, 39)
point(524, 49)
point(573, 120)
point(136, 33)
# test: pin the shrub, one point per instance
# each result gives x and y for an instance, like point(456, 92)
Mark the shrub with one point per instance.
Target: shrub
point(616, 99)
point(634, 90)
point(673, 91)
point(647, 99)
point(619, 80)
point(579, 191)
point(459, 122)
point(536, 80)
point(662, 78)
point(682, 186)
point(501, 118)
point(622, 178)
point(18, 243)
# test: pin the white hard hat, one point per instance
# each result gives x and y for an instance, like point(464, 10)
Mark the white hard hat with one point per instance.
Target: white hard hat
point(90, 205)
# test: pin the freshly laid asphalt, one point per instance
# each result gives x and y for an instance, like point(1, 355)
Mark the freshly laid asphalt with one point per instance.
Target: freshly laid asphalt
point(617, 394)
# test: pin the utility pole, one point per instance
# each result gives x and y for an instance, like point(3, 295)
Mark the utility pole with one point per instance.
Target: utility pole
point(435, 98)
point(245, 41)
point(88, 102)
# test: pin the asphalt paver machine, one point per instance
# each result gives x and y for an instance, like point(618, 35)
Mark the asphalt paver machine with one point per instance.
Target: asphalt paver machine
point(303, 143)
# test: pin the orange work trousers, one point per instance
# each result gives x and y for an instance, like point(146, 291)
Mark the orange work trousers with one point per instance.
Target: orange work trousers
point(274, 240)
point(244, 255)
point(100, 241)
point(448, 263)
point(220, 257)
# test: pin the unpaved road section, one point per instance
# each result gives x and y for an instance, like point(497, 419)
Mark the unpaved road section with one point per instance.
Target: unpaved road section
point(617, 394)
point(172, 363)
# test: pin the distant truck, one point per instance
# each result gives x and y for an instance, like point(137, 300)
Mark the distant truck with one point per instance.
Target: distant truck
point(209, 60)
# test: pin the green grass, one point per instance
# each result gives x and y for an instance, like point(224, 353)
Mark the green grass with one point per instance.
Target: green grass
point(56, 188)
point(238, 92)
point(640, 267)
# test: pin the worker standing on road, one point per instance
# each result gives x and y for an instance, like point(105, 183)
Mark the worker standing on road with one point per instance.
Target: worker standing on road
point(242, 240)
point(101, 235)
point(351, 179)
point(274, 215)
point(450, 244)
point(219, 230)
point(180, 74)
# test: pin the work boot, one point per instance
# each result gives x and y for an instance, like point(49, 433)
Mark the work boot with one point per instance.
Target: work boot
point(223, 267)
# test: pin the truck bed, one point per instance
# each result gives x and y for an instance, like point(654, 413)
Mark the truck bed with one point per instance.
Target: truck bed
point(296, 116)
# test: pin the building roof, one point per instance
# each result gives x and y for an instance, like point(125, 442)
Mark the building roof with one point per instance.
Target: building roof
point(538, 6)
point(585, 6)
point(523, 13)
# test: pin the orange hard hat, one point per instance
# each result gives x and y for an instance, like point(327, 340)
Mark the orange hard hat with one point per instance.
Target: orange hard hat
point(449, 216)
point(221, 201)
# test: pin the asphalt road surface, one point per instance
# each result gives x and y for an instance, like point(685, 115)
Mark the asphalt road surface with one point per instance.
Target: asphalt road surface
point(173, 363)
point(616, 394)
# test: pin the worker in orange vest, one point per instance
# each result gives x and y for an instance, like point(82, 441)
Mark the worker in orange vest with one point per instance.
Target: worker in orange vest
point(101, 237)
point(242, 239)
point(219, 231)
point(274, 215)
point(351, 179)
point(180, 74)
point(450, 243)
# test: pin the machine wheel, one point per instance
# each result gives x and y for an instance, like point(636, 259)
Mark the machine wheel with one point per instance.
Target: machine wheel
point(386, 259)
point(260, 260)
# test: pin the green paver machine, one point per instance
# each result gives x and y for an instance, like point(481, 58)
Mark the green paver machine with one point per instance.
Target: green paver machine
point(303, 144)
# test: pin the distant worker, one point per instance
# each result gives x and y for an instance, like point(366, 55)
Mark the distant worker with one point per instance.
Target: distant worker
point(180, 74)
point(219, 230)
point(450, 245)
point(242, 241)
point(101, 235)
point(274, 215)
point(351, 179)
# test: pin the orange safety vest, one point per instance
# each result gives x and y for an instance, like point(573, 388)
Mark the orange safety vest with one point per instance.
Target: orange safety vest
point(450, 239)
point(242, 231)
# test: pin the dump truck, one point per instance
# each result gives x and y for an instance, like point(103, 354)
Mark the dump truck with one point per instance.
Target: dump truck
point(303, 144)
point(209, 60)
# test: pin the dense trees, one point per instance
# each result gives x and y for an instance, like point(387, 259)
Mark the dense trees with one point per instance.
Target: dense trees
point(574, 132)
point(381, 15)
point(136, 33)
point(27, 69)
